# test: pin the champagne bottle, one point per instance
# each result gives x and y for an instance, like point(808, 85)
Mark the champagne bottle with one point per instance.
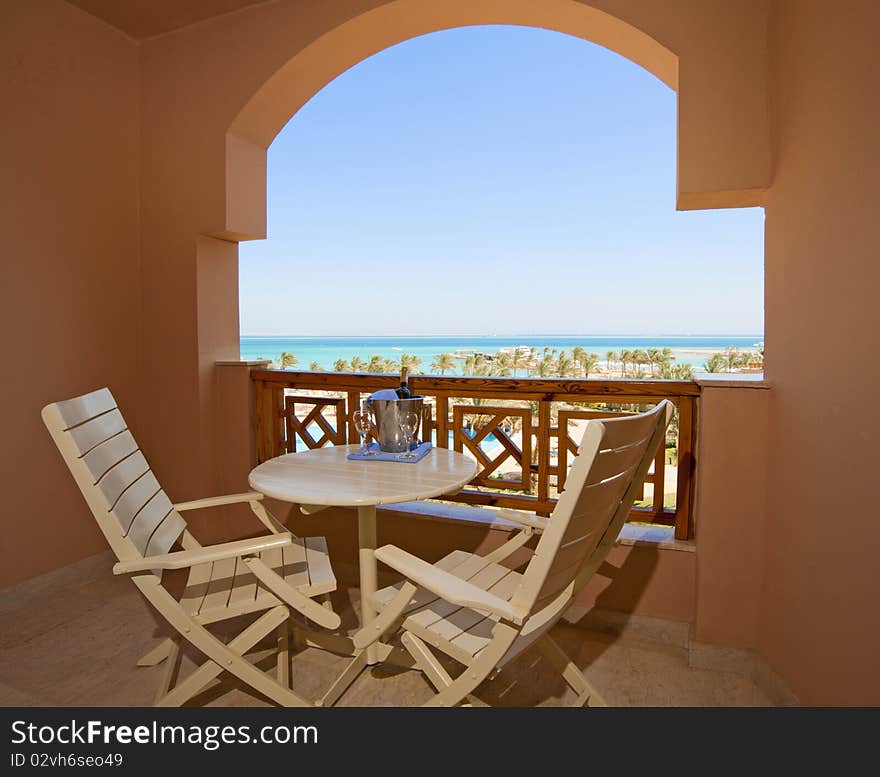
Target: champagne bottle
point(403, 391)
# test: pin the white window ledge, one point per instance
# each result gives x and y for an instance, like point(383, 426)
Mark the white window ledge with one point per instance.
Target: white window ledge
point(750, 380)
point(243, 363)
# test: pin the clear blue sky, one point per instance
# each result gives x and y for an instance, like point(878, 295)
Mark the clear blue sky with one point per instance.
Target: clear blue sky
point(493, 180)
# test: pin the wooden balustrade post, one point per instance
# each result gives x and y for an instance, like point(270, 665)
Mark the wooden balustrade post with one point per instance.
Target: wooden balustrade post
point(353, 403)
point(442, 422)
point(275, 398)
point(543, 443)
point(659, 479)
point(686, 465)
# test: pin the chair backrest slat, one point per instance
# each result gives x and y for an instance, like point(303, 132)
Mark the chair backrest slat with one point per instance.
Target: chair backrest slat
point(148, 520)
point(623, 431)
point(97, 430)
point(102, 458)
point(166, 534)
point(128, 503)
point(121, 477)
point(613, 454)
point(75, 411)
point(613, 461)
point(133, 499)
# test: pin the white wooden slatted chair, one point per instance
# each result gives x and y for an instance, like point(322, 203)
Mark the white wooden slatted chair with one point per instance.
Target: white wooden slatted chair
point(270, 574)
point(484, 614)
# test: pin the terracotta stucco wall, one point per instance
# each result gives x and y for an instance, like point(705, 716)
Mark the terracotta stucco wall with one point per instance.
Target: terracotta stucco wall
point(730, 511)
point(69, 295)
point(820, 625)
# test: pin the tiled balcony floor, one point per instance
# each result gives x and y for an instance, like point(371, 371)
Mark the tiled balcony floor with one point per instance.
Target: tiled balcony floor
point(72, 639)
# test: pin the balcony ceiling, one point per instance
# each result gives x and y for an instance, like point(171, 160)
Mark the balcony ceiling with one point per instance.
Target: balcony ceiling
point(147, 18)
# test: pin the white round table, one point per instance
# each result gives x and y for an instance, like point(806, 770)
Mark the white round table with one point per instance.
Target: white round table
point(325, 477)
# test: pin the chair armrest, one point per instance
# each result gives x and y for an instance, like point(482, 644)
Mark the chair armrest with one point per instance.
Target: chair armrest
point(533, 521)
point(289, 595)
point(451, 588)
point(186, 558)
point(218, 501)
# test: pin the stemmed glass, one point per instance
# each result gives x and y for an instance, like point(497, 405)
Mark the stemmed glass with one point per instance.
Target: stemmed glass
point(360, 417)
point(409, 421)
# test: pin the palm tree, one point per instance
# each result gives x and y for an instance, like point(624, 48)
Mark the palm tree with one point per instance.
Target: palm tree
point(358, 364)
point(564, 365)
point(639, 358)
point(531, 361)
point(716, 363)
point(626, 356)
point(389, 365)
point(544, 368)
point(611, 356)
point(733, 358)
point(442, 363)
point(589, 363)
point(340, 365)
point(654, 356)
point(288, 360)
point(376, 364)
point(410, 361)
point(470, 364)
point(579, 355)
point(670, 371)
point(501, 364)
point(316, 367)
point(482, 368)
point(517, 360)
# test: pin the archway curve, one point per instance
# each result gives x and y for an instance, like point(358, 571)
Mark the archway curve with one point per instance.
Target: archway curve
point(307, 72)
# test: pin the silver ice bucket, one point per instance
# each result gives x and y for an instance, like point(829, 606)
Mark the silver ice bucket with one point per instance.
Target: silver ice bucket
point(386, 416)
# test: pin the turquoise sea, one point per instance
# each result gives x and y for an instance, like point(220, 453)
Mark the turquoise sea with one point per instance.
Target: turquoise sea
point(325, 350)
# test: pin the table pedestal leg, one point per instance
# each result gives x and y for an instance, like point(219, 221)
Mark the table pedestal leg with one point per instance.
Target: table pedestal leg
point(368, 571)
point(378, 652)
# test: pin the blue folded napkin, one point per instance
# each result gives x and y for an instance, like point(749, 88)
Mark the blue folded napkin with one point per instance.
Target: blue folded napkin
point(420, 452)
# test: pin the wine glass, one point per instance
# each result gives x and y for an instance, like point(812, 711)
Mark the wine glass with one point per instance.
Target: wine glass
point(360, 417)
point(409, 421)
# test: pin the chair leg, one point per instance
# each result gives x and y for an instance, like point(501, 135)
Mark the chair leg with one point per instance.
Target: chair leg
point(222, 657)
point(157, 655)
point(172, 667)
point(503, 637)
point(426, 661)
point(570, 672)
point(341, 683)
point(283, 657)
point(230, 660)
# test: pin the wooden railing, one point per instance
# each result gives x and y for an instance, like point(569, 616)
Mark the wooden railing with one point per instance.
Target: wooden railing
point(525, 416)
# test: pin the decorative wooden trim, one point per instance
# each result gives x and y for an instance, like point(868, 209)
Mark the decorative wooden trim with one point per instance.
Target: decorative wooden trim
point(296, 427)
point(521, 455)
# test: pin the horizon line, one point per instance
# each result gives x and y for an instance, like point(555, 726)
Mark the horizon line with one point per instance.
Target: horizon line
point(518, 334)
